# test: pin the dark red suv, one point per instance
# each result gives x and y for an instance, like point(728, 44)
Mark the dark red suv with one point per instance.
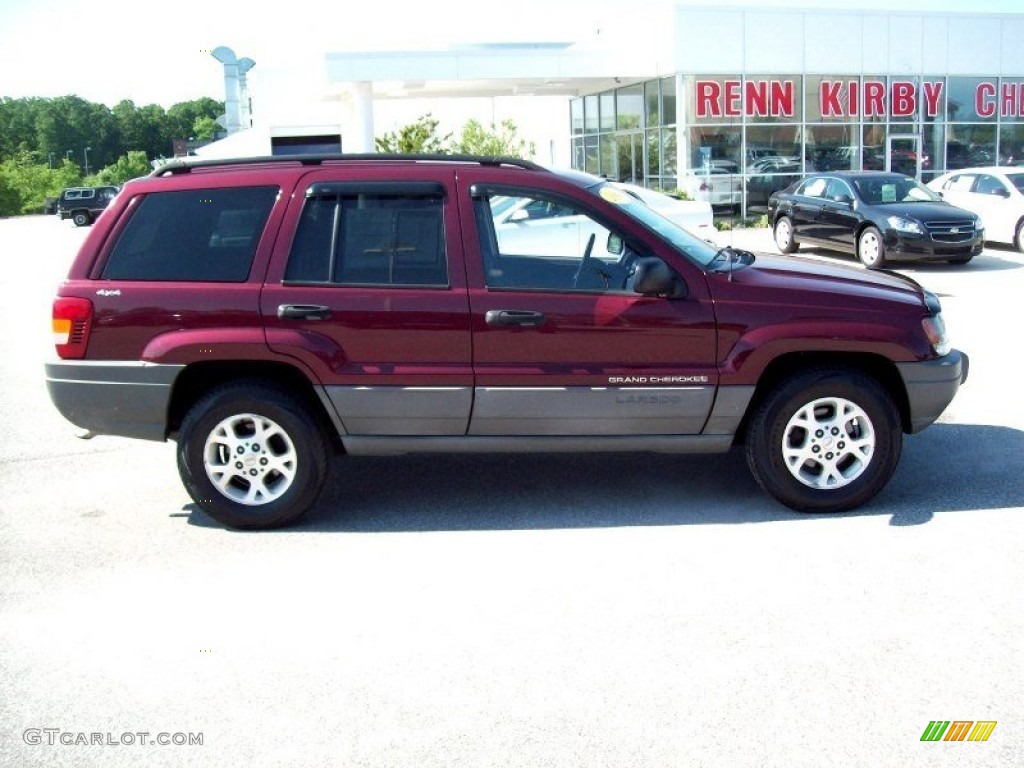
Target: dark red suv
point(270, 313)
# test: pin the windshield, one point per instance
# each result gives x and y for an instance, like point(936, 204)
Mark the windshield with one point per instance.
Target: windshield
point(894, 189)
point(686, 243)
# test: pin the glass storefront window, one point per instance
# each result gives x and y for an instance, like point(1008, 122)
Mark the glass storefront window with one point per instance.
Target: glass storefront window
point(590, 117)
point(629, 151)
point(969, 145)
point(578, 158)
point(592, 156)
point(963, 100)
point(669, 154)
point(607, 111)
point(653, 158)
point(576, 116)
point(629, 108)
point(609, 167)
point(831, 148)
point(668, 101)
point(933, 151)
point(1011, 144)
point(723, 145)
point(873, 149)
point(828, 98)
point(903, 104)
point(772, 145)
point(653, 109)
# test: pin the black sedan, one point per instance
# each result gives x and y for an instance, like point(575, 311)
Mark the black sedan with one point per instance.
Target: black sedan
point(874, 215)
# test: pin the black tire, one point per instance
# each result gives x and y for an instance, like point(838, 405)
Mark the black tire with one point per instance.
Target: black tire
point(238, 413)
point(783, 233)
point(1018, 237)
point(871, 248)
point(81, 218)
point(862, 411)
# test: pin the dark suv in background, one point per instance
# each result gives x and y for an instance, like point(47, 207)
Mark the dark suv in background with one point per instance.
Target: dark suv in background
point(267, 314)
point(83, 204)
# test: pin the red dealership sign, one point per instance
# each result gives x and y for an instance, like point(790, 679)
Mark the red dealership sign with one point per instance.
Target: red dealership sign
point(849, 98)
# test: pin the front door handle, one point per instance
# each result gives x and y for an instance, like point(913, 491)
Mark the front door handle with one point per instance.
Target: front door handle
point(303, 312)
point(519, 317)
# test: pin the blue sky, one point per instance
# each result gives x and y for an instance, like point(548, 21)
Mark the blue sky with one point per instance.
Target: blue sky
point(159, 52)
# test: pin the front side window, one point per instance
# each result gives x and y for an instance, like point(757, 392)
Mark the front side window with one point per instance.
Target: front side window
point(377, 235)
point(538, 241)
point(989, 185)
point(195, 235)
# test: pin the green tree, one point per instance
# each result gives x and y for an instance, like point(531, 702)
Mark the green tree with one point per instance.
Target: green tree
point(500, 140)
point(129, 166)
point(26, 181)
point(182, 117)
point(204, 128)
point(419, 137)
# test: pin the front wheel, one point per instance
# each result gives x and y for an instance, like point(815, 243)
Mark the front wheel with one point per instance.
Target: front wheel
point(252, 456)
point(827, 440)
point(1018, 237)
point(871, 248)
point(784, 235)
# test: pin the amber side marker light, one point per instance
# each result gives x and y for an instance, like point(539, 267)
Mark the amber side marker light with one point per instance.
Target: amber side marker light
point(72, 321)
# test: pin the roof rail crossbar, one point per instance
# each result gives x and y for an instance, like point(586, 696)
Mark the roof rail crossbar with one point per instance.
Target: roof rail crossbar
point(186, 165)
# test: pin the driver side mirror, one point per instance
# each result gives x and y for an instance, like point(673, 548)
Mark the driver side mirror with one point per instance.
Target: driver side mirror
point(614, 245)
point(653, 277)
point(844, 200)
point(521, 215)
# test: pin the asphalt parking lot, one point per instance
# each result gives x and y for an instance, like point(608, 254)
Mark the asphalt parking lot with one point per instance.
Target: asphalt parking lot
point(515, 611)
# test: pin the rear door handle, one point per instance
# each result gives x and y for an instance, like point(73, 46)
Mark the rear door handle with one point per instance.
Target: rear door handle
point(514, 317)
point(303, 312)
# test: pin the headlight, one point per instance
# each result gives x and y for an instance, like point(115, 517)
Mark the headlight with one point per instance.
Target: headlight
point(905, 225)
point(934, 326)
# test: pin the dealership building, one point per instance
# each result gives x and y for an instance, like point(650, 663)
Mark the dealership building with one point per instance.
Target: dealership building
point(658, 91)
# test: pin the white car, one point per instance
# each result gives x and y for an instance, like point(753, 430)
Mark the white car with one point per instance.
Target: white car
point(720, 184)
point(994, 194)
point(695, 216)
point(545, 228)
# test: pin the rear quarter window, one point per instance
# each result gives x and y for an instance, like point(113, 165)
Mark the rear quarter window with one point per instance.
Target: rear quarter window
point(203, 235)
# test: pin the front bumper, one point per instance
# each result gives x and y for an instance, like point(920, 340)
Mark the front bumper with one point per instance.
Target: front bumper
point(931, 386)
point(129, 399)
point(906, 245)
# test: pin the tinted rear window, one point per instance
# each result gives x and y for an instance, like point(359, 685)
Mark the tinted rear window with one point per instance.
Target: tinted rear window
point(203, 235)
point(390, 234)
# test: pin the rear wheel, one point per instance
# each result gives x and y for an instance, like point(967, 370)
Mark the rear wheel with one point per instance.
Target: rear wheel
point(252, 456)
point(871, 248)
point(784, 235)
point(827, 440)
point(81, 219)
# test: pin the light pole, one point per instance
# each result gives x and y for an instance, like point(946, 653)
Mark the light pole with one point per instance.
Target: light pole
point(67, 155)
point(51, 159)
point(87, 160)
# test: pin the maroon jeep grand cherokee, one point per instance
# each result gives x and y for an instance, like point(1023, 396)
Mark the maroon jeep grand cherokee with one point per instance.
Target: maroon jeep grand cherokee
point(267, 313)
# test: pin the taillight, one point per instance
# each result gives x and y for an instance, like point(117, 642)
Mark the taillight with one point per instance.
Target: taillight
point(703, 186)
point(72, 321)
